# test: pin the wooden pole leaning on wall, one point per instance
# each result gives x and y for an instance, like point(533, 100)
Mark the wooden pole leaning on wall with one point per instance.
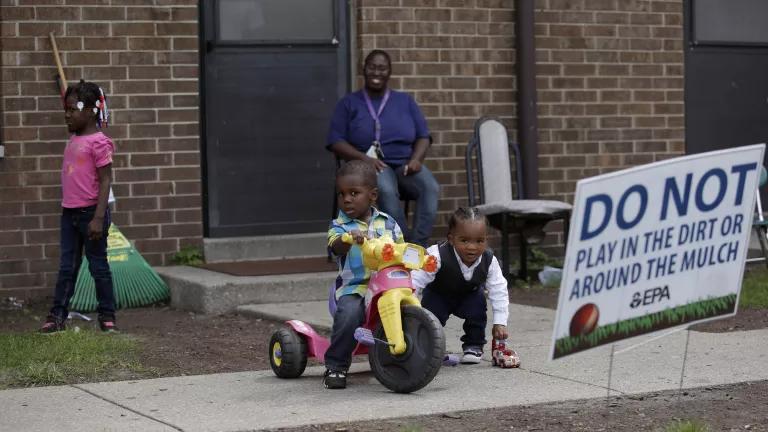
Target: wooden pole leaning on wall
point(62, 78)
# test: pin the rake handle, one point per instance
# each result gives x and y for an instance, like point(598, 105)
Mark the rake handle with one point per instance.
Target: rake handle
point(62, 77)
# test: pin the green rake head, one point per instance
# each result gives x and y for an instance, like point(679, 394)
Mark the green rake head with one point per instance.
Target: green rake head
point(135, 282)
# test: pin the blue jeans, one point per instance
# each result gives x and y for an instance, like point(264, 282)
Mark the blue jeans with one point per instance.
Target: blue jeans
point(74, 239)
point(426, 205)
point(470, 307)
point(350, 314)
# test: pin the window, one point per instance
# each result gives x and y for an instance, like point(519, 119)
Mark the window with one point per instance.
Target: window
point(275, 20)
point(730, 22)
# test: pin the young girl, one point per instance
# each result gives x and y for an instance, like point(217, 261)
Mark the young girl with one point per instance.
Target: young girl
point(85, 181)
point(466, 268)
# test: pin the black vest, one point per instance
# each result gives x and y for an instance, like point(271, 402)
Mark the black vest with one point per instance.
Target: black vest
point(450, 281)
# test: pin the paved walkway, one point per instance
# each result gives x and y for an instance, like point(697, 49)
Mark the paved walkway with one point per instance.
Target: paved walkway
point(256, 400)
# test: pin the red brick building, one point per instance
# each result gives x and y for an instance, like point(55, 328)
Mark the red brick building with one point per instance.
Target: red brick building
point(610, 88)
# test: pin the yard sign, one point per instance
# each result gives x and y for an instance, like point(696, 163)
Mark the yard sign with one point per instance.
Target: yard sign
point(656, 246)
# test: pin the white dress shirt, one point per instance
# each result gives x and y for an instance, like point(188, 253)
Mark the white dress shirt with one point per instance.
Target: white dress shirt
point(495, 284)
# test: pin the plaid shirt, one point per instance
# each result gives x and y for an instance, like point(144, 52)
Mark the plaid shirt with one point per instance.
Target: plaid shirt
point(353, 276)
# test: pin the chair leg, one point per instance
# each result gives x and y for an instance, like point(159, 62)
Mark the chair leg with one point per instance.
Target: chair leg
point(504, 247)
point(523, 272)
point(566, 231)
point(761, 238)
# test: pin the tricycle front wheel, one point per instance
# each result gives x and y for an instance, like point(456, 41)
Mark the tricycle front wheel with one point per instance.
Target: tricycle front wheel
point(418, 365)
point(287, 353)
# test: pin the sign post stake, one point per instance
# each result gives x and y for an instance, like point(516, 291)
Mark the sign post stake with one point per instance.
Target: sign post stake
point(685, 357)
point(610, 374)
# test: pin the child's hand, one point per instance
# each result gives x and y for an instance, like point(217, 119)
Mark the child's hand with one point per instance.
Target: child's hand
point(500, 331)
point(95, 227)
point(357, 236)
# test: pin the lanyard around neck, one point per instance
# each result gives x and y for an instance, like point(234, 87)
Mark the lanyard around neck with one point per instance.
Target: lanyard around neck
point(375, 114)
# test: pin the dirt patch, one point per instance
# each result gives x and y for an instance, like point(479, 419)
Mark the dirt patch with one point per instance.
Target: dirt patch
point(182, 343)
point(738, 407)
point(745, 319)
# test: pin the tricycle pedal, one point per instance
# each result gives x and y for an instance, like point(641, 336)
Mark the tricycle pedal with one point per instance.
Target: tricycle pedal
point(450, 360)
point(365, 337)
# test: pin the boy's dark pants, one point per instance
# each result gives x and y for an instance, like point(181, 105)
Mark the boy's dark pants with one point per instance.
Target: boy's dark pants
point(74, 239)
point(350, 314)
point(470, 307)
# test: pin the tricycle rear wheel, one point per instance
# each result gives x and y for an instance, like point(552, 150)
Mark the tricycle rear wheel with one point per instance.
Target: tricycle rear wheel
point(418, 365)
point(287, 353)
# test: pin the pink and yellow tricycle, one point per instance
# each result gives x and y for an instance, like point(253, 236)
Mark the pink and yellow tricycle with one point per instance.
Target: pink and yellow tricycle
point(405, 343)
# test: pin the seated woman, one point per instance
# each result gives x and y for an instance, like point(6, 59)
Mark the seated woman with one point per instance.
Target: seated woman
point(386, 128)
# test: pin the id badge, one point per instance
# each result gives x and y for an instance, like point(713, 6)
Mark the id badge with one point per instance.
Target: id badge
point(376, 146)
point(371, 153)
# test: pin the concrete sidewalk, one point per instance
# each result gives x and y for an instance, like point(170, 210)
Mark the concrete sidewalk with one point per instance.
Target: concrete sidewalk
point(257, 400)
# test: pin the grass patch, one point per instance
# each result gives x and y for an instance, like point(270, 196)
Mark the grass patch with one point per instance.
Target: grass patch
point(687, 426)
point(754, 290)
point(645, 324)
point(30, 359)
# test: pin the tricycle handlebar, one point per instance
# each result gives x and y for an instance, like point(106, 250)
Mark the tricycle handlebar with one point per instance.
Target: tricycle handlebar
point(383, 252)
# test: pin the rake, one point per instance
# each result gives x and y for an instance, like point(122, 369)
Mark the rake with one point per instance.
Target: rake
point(135, 282)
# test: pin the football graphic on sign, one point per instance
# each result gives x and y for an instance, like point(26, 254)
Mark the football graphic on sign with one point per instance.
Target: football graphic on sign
point(584, 321)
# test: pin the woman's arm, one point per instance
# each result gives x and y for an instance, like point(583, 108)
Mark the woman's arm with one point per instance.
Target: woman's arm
point(422, 143)
point(417, 157)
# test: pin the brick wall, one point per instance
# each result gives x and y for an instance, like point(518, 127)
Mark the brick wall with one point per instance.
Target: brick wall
point(610, 96)
point(610, 80)
point(144, 55)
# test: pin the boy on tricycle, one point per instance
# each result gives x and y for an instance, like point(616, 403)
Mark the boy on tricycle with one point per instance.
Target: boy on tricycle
point(405, 342)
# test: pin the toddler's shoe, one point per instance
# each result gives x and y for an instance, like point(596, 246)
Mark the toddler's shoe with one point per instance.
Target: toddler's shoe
point(53, 324)
point(472, 356)
point(335, 379)
point(502, 356)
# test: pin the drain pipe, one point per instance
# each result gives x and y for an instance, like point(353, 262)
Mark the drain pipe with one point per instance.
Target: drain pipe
point(527, 128)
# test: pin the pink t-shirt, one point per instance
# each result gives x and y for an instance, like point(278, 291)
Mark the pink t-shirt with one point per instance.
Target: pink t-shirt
point(79, 175)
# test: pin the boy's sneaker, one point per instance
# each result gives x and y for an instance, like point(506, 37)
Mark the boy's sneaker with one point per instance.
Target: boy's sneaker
point(472, 356)
point(53, 324)
point(108, 326)
point(335, 379)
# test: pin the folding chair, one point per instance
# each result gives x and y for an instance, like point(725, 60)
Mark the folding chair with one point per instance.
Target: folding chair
point(507, 212)
point(759, 223)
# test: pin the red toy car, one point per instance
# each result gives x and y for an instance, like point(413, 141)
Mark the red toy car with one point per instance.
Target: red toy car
point(502, 356)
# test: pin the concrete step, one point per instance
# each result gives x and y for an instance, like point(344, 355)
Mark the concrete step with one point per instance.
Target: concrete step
point(264, 247)
point(208, 292)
